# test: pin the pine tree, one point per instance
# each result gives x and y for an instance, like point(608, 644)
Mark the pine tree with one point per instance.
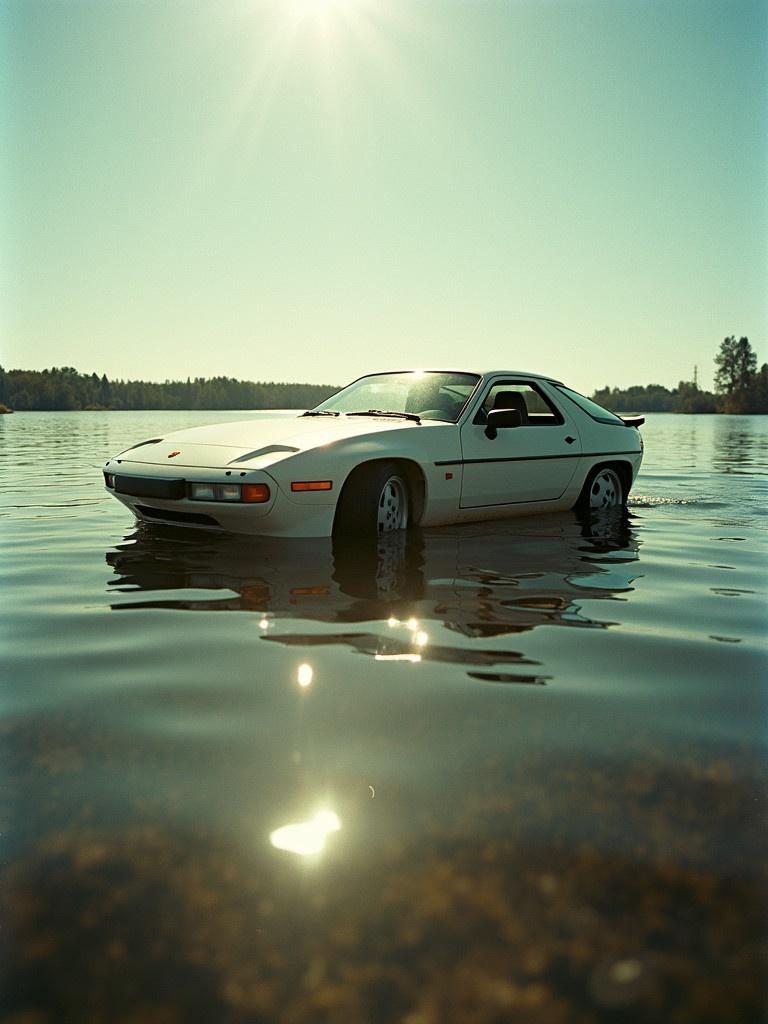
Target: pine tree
point(736, 369)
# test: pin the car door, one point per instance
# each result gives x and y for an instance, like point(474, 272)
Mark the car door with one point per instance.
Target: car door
point(532, 462)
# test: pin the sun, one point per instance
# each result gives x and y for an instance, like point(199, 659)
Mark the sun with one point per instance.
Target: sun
point(323, 38)
point(318, 10)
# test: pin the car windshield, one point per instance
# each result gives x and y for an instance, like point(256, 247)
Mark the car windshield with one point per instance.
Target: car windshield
point(430, 395)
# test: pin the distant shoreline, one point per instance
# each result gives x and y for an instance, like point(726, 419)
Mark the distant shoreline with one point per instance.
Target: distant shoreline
point(65, 389)
point(296, 409)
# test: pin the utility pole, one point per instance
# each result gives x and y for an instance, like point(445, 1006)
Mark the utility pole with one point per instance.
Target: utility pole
point(696, 377)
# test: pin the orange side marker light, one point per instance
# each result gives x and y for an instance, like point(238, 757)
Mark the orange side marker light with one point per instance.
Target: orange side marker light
point(311, 485)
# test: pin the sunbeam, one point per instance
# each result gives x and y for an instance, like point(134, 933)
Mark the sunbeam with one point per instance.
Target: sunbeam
point(303, 46)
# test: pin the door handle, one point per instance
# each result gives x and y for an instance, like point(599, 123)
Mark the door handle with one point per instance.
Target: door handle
point(570, 440)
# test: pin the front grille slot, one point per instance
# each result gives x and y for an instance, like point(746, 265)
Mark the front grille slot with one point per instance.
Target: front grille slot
point(173, 516)
point(150, 487)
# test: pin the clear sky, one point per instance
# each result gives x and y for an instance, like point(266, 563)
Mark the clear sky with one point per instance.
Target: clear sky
point(312, 189)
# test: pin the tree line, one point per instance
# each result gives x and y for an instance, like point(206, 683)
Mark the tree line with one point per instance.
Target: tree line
point(63, 388)
point(739, 388)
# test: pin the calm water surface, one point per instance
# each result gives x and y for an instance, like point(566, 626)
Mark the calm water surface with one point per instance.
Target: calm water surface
point(503, 772)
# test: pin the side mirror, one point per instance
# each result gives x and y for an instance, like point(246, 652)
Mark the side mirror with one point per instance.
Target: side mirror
point(499, 419)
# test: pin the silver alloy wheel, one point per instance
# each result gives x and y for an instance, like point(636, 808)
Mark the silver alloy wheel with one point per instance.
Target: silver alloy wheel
point(392, 511)
point(605, 491)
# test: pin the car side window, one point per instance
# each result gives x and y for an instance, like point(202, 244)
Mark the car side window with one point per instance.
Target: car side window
point(535, 409)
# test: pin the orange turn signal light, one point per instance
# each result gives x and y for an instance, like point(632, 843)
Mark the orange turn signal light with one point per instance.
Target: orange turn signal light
point(311, 485)
point(255, 492)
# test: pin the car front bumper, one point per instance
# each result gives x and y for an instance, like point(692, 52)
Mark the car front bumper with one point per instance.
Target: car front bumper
point(155, 497)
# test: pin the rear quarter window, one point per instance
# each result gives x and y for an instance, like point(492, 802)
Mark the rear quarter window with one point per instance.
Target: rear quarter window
point(597, 412)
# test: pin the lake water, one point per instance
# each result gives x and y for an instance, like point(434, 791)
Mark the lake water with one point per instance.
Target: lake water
point(502, 772)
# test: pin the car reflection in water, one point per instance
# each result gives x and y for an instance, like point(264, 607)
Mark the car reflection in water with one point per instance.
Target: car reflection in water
point(471, 584)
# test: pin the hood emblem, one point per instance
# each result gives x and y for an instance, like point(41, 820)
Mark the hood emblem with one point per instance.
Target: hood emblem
point(172, 455)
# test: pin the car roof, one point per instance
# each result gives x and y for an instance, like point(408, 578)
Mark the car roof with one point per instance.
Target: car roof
point(464, 369)
point(521, 373)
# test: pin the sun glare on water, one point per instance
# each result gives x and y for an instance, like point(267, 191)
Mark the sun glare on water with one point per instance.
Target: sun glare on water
point(306, 838)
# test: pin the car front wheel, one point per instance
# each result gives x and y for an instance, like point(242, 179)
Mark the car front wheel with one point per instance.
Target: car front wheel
point(375, 500)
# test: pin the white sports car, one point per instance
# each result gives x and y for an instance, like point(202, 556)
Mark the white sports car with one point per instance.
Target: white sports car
point(390, 450)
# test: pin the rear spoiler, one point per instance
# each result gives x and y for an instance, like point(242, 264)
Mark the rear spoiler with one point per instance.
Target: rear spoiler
point(632, 421)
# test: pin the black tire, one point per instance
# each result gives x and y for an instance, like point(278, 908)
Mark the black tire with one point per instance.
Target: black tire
point(603, 488)
point(376, 499)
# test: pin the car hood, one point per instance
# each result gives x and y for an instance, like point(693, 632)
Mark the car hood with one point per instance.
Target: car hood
point(258, 442)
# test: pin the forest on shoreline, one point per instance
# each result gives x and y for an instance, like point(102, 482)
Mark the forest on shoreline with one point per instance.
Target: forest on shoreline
point(739, 388)
point(66, 389)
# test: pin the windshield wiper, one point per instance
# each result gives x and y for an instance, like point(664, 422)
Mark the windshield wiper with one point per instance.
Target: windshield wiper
point(385, 412)
point(320, 412)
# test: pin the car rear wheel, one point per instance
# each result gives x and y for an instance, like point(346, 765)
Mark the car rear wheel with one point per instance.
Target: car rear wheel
point(375, 500)
point(603, 489)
